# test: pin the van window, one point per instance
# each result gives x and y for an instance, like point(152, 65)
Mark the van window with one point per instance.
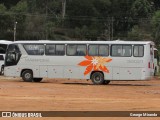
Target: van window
point(1, 57)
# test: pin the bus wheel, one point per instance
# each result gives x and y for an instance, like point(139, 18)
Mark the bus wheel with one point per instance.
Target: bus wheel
point(106, 82)
point(37, 79)
point(27, 76)
point(97, 78)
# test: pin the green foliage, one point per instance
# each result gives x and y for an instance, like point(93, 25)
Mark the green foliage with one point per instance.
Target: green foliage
point(2, 8)
point(156, 27)
point(21, 7)
point(141, 9)
point(84, 19)
point(135, 34)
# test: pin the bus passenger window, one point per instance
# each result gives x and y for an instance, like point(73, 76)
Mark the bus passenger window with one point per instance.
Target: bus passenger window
point(93, 50)
point(76, 50)
point(50, 50)
point(60, 49)
point(127, 50)
point(103, 50)
point(81, 50)
point(116, 50)
point(71, 50)
point(138, 51)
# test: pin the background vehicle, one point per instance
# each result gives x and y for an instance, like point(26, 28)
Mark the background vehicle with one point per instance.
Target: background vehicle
point(156, 62)
point(100, 61)
point(3, 47)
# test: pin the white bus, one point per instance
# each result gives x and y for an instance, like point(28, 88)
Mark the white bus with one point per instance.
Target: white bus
point(100, 61)
point(3, 47)
point(156, 62)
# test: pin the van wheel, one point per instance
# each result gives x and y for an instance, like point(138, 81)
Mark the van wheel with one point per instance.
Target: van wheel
point(97, 78)
point(106, 82)
point(27, 76)
point(37, 79)
point(2, 70)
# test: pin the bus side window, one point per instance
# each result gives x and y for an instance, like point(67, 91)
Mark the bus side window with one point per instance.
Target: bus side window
point(76, 50)
point(116, 50)
point(71, 50)
point(103, 50)
point(138, 51)
point(127, 50)
point(81, 50)
point(60, 49)
point(93, 50)
point(50, 50)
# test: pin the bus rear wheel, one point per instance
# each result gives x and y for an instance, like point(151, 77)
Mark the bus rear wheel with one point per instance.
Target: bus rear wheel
point(27, 76)
point(97, 78)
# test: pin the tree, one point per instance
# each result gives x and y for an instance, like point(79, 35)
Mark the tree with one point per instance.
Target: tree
point(18, 13)
point(5, 23)
point(156, 4)
point(141, 9)
point(9, 3)
point(156, 27)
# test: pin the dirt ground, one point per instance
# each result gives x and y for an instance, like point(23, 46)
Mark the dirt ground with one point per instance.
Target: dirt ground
point(79, 95)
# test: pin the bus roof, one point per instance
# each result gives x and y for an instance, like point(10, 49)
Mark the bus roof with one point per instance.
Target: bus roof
point(90, 42)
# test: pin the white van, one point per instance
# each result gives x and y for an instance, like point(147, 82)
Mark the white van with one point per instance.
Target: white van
point(3, 46)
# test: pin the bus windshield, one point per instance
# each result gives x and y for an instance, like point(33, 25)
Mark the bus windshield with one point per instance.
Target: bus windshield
point(12, 55)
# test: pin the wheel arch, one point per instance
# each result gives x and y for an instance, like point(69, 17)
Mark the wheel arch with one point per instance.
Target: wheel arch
point(25, 70)
point(94, 72)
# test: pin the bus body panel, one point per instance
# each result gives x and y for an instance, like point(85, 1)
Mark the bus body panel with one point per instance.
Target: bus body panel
point(119, 68)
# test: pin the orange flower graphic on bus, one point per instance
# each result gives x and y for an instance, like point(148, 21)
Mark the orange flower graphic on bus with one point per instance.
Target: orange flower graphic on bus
point(95, 63)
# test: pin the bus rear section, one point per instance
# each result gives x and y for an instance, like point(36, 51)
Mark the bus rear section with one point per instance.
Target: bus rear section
point(156, 62)
point(149, 56)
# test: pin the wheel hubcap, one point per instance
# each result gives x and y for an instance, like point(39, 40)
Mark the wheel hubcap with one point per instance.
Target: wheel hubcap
point(27, 76)
point(97, 78)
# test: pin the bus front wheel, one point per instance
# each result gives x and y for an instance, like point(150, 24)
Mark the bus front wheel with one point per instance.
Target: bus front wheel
point(97, 78)
point(27, 76)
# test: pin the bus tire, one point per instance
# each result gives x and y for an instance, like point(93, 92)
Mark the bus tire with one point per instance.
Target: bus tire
point(97, 78)
point(106, 82)
point(37, 79)
point(27, 76)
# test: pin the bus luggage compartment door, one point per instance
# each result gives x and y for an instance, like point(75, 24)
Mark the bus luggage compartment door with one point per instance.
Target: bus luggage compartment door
point(43, 71)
